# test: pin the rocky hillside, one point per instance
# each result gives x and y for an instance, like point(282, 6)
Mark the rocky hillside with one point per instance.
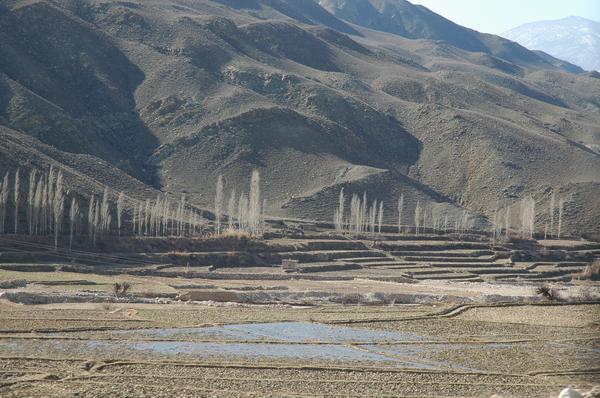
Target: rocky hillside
point(175, 92)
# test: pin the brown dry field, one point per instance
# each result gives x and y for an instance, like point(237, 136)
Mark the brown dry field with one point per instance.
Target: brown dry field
point(270, 333)
point(515, 351)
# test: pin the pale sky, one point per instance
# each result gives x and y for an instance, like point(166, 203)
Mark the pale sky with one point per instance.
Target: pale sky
point(497, 16)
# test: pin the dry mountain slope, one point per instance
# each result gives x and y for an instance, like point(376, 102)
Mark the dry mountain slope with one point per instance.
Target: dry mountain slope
point(176, 92)
point(402, 18)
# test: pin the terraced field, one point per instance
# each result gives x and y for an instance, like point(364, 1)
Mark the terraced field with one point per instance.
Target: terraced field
point(384, 257)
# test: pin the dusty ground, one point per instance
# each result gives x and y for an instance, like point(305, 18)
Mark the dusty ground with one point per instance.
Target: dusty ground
point(517, 351)
point(180, 334)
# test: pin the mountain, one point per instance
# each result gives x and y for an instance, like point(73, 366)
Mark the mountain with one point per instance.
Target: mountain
point(405, 19)
point(574, 39)
point(165, 95)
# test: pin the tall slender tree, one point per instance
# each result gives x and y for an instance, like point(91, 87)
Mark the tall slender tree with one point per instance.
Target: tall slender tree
point(417, 217)
point(243, 212)
point(4, 191)
point(37, 206)
point(73, 219)
point(507, 221)
point(17, 199)
point(552, 206)
point(561, 205)
point(380, 217)
point(104, 215)
point(400, 209)
point(339, 219)
point(219, 203)
point(91, 218)
point(58, 207)
point(231, 210)
point(254, 202)
point(96, 222)
point(120, 210)
point(31, 199)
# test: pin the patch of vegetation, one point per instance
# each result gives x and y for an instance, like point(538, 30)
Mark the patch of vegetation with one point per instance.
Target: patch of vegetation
point(121, 289)
point(590, 272)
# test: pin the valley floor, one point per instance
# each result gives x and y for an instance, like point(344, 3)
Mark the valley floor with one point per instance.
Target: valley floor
point(401, 317)
point(130, 350)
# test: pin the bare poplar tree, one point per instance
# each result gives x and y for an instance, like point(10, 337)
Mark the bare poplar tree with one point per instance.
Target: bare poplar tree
point(561, 204)
point(231, 210)
point(355, 216)
point(263, 210)
point(552, 205)
point(17, 197)
point(96, 222)
point(120, 209)
point(140, 219)
point(180, 216)
point(243, 212)
point(44, 207)
point(73, 218)
point(105, 218)
point(363, 213)
point(147, 217)
point(507, 221)
point(31, 199)
point(91, 218)
point(464, 222)
point(339, 214)
point(58, 207)
point(400, 209)
point(527, 217)
point(4, 189)
point(372, 216)
point(254, 202)
point(49, 198)
point(37, 207)
point(380, 217)
point(498, 229)
point(219, 203)
point(417, 217)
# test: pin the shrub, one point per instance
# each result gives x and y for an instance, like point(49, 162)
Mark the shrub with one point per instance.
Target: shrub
point(121, 289)
point(547, 292)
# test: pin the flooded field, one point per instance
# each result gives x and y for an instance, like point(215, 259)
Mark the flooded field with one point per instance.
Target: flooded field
point(327, 351)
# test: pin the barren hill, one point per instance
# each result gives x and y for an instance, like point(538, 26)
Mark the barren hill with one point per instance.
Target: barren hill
point(313, 94)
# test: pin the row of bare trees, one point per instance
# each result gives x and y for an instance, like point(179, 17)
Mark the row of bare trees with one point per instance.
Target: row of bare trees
point(364, 217)
point(526, 227)
point(50, 207)
point(47, 202)
point(245, 212)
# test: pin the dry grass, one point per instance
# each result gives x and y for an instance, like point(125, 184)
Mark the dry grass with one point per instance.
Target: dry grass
point(590, 272)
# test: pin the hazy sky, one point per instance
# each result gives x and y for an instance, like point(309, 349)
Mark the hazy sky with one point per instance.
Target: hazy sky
point(497, 16)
